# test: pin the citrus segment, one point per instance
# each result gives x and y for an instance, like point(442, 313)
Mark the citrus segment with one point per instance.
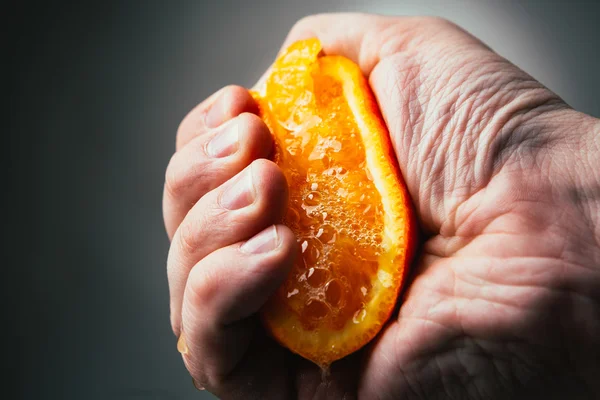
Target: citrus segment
point(348, 205)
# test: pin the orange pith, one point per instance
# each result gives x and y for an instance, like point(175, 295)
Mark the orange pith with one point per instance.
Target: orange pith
point(348, 205)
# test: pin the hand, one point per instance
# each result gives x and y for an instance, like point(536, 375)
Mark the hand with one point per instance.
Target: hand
point(505, 177)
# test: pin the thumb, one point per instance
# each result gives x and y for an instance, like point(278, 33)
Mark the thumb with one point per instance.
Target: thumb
point(341, 34)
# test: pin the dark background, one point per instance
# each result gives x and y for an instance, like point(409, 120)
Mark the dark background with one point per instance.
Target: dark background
point(95, 94)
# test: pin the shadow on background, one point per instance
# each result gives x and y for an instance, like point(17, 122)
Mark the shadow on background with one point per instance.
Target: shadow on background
point(96, 92)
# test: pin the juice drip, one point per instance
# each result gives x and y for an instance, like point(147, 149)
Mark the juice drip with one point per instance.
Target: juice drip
point(182, 344)
point(182, 347)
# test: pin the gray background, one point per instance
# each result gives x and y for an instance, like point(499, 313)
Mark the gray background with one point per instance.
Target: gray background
point(96, 92)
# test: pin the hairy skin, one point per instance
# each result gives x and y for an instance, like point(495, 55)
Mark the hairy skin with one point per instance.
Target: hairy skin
point(505, 177)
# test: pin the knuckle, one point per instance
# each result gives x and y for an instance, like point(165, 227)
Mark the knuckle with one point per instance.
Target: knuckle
point(182, 173)
point(204, 285)
point(189, 233)
point(199, 225)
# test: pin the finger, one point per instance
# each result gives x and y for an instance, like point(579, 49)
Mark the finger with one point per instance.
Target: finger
point(235, 211)
point(209, 160)
point(227, 103)
point(223, 290)
point(366, 38)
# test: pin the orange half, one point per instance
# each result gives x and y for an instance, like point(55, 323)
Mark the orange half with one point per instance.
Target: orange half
point(349, 206)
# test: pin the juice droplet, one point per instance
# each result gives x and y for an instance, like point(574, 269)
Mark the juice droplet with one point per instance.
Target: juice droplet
point(312, 199)
point(315, 309)
point(316, 277)
point(333, 293)
point(311, 251)
point(182, 344)
point(326, 234)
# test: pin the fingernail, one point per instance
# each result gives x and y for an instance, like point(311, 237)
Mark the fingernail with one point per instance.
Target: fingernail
point(240, 193)
point(224, 143)
point(264, 242)
point(216, 114)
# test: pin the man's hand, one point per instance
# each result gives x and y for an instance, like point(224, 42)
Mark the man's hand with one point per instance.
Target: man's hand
point(505, 301)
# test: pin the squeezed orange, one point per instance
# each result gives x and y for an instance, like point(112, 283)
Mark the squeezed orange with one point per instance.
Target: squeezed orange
point(349, 206)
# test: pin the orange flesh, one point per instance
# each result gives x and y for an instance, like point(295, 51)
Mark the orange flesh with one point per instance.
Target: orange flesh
point(333, 206)
point(353, 247)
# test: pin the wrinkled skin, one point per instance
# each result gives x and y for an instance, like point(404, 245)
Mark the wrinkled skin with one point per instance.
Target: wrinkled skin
point(504, 301)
